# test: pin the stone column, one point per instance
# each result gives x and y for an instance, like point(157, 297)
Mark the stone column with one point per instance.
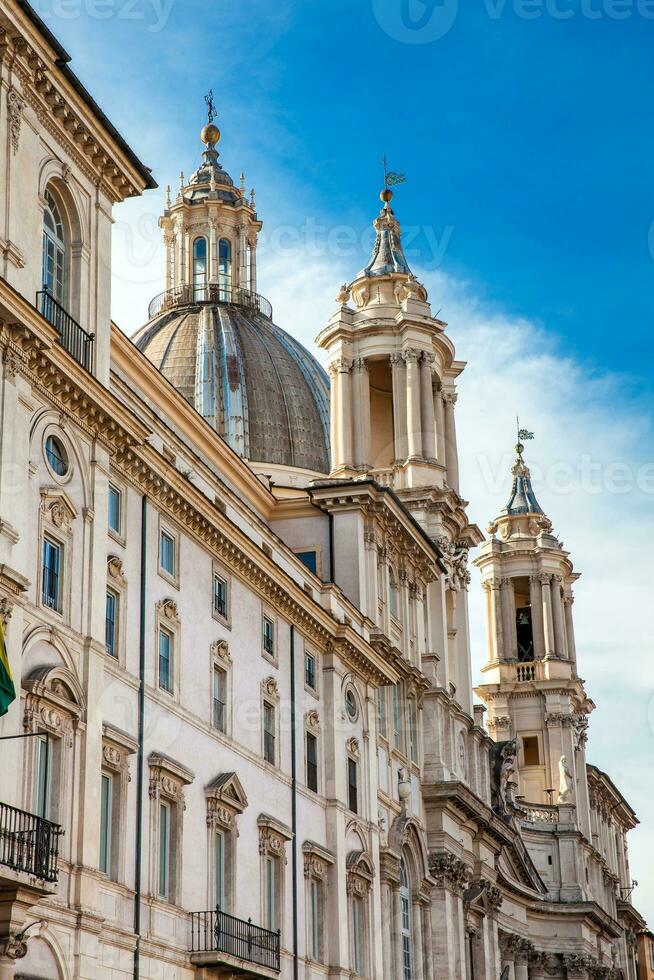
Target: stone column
point(568, 600)
point(361, 389)
point(414, 434)
point(496, 611)
point(558, 617)
point(537, 966)
point(521, 966)
point(344, 413)
point(536, 599)
point(398, 369)
point(253, 267)
point(386, 929)
point(188, 258)
point(212, 258)
point(180, 261)
point(426, 939)
point(451, 455)
point(396, 930)
point(507, 599)
point(427, 407)
point(439, 416)
point(333, 415)
point(169, 241)
point(417, 964)
point(242, 258)
point(548, 620)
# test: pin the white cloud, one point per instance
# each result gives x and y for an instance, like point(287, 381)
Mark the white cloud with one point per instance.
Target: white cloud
point(591, 475)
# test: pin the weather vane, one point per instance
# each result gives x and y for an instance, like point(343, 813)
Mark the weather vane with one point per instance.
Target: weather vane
point(391, 178)
point(523, 436)
point(211, 106)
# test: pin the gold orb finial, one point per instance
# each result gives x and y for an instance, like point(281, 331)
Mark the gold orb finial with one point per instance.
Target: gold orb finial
point(210, 134)
point(386, 195)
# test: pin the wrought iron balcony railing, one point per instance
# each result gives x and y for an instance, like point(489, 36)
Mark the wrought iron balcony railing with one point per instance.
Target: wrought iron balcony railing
point(218, 932)
point(72, 337)
point(29, 843)
point(217, 292)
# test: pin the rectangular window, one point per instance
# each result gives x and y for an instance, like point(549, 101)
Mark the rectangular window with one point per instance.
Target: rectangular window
point(357, 936)
point(165, 656)
point(42, 777)
point(106, 822)
point(310, 671)
point(315, 920)
point(312, 762)
point(164, 851)
point(115, 509)
point(220, 871)
point(111, 623)
point(310, 559)
point(352, 786)
point(531, 750)
point(219, 699)
point(51, 590)
point(382, 721)
point(269, 636)
point(271, 897)
point(268, 733)
point(167, 550)
point(220, 595)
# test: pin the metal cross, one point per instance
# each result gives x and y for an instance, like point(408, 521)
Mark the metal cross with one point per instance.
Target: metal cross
point(211, 107)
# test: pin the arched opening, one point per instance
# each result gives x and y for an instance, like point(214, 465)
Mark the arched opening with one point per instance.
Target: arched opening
point(381, 414)
point(54, 272)
point(225, 268)
point(405, 923)
point(199, 268)
point(523, 620)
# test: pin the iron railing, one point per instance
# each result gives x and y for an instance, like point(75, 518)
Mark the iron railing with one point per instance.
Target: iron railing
point(223, 292)
point(29, 843)
point(219, 932)
point(72, 337)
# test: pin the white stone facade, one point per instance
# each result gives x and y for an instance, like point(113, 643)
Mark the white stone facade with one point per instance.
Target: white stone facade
point(251, 693)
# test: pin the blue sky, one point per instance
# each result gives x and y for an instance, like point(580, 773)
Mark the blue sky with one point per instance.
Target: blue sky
point(525, 131)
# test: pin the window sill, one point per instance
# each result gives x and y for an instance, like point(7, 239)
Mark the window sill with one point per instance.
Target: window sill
point(171, 579)
point(270, 657)
point(225, 621)
point(117, 537)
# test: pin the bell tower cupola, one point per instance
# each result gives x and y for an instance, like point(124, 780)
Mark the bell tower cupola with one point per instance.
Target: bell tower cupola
point(531, 685)
point(393, 373)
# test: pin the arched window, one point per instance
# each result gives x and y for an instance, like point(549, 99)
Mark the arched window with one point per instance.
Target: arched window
point(54, 269)
point(199, 268)
point(225, 267)
point(405, 924)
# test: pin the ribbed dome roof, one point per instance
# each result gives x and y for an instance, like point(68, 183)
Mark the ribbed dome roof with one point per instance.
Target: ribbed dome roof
point(256, 385)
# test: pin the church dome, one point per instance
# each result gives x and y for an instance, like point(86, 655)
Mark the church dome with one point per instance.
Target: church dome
point(256, 385)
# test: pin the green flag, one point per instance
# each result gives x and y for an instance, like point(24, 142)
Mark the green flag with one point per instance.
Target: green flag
point(7, 690)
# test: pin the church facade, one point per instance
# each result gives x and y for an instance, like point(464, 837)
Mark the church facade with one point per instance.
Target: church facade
point(234, 596)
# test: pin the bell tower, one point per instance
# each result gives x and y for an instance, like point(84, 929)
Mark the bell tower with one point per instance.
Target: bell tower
point(531, 685)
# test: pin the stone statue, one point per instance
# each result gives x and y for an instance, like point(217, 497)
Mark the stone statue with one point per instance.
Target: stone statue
point(502, 783)
point(565, 780)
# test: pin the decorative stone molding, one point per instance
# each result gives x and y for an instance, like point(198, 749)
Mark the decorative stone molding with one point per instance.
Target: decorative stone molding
point(273, 835)
point(360, 873)
point(312, 720)
point(558, 720)
point(499, 721)
point(219, 651)
point(14, 947)
point(168, 778)
point(317, 860)
point(6, 609)
point(115, 570)
point(449, 872)
point(270, 689)
point(352, 746)
point(15, 106)
point(226, 799)
point(168, 610)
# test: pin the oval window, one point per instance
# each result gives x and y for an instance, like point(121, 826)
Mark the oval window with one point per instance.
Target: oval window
point(351, 705)
point(56, 456)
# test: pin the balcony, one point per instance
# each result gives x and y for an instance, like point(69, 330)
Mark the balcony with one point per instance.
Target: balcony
point(72, 337)
point(223, 292)
point(29, 844)
point(221, 939)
